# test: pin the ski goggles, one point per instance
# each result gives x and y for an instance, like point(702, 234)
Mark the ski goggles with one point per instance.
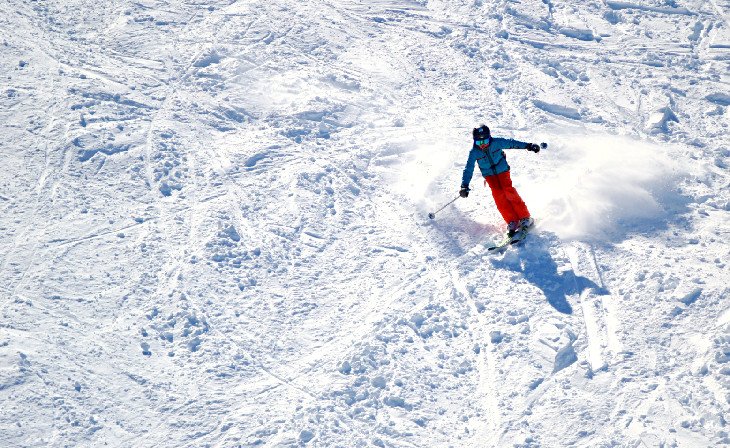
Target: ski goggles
point(482, 142)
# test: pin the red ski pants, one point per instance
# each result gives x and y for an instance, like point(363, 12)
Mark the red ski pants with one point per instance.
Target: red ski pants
point(509, 203)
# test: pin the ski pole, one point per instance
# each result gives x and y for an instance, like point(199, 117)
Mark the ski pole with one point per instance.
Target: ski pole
point(433, 215)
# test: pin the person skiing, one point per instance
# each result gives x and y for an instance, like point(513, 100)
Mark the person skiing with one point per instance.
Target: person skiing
point(488, 153)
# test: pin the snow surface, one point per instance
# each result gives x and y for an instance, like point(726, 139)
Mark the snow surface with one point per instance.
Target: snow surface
point(213, 224)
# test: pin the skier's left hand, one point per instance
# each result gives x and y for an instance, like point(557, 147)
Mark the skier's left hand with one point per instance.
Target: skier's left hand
point(533, 147)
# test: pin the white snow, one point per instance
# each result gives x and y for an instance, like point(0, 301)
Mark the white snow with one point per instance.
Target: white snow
point(214, 232)
point(601, 185)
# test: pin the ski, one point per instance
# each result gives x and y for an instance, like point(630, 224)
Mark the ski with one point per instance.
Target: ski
point(501, 245)
point(510, 240)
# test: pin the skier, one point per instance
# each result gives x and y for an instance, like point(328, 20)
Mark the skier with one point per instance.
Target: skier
point(488, 152)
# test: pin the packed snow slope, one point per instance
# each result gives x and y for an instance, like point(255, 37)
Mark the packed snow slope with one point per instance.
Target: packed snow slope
point(214, 232)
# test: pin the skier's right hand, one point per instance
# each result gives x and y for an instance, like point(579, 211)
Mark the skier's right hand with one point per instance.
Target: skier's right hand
point(464, 192)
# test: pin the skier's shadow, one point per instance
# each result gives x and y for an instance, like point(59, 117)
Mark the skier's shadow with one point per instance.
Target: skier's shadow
point(533, 260)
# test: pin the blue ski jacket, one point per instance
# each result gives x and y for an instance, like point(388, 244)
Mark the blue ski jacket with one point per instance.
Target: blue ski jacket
point(492, 160)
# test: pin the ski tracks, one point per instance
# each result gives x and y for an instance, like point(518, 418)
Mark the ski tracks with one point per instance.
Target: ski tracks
point(598, 307)
point(487, 386)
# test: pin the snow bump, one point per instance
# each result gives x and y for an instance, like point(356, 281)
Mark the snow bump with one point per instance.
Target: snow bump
point(556, 109)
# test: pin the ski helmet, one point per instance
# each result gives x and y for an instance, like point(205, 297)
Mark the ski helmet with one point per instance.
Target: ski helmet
point(481, 133)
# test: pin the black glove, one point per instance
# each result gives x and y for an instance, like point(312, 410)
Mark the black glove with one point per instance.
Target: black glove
point(464, 192)
point(533, 147)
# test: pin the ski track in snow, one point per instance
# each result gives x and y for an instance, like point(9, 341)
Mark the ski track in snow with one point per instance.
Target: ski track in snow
point(213, 224)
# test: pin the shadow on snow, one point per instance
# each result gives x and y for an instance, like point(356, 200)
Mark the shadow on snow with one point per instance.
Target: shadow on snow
point(534, 262)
